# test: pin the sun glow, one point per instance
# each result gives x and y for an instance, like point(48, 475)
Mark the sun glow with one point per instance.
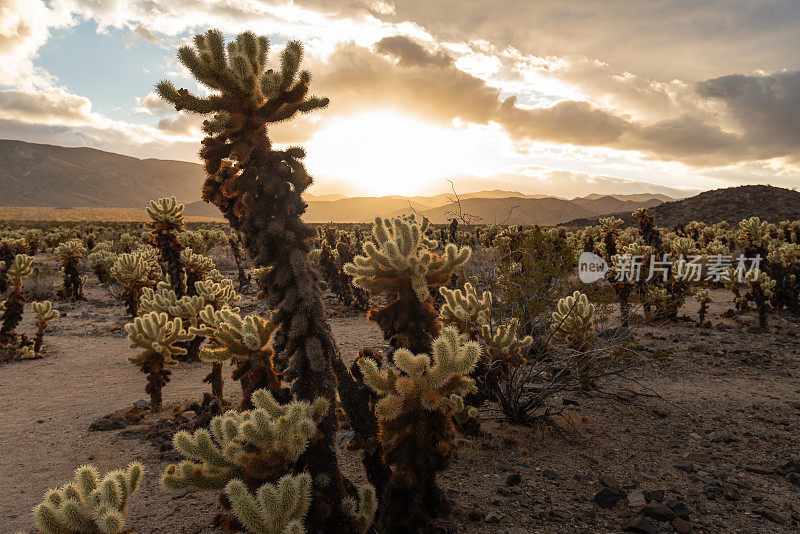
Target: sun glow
point(387, 153)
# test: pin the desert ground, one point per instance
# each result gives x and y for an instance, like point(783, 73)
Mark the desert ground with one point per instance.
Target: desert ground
point(695, 441)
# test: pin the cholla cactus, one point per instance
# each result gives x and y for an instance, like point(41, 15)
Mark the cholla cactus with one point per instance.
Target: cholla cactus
point(44, 314)
point(253, 446)
point(400, 261)
point(196, 266)
point(611, 229)
point(101, 260)
point(275, 509)
point(158, 336)
point(166, 216)
point(416, 428)
point(134, 272)
point(19, 269)
point(704, 298)
point(752, 233)
point(465, 309)
point(245, 343)
point(761, 290)
point(505, 350)
point(70, 253)
point(88, 505)
point(573, 320)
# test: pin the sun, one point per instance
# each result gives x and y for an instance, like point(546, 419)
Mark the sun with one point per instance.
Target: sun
point(387, 153)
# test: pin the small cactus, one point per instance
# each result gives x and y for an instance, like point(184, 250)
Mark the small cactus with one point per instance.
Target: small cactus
point(70, 253)
point(166, 222)
point(158, 336)
point(704, 298)
point(89, 505)
point(573, 320)
point(44, 314)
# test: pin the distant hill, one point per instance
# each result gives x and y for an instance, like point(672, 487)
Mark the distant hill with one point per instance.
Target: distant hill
point(47, 175)
point(730, 204)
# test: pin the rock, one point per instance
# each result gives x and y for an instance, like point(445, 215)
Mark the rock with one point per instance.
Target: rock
point(493, 517)
point(771, 515)
point(552, 475)
point(608, 497)
point(697, 457)
point(514, 530)
point(684, 466)
point(654, 495)
point(513, 479)
point(793, 478)
point(569, 401)
point(474, 515)
point(713, 490)
point(759, 469)
point(498, 500)
point(792, 466)
point(681, 526)
point(640, 524)
point(636, 499)
point(558, 516)
point(680, 509)
point(659, 512)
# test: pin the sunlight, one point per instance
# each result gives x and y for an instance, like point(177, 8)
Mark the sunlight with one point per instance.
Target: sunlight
point(386, 153)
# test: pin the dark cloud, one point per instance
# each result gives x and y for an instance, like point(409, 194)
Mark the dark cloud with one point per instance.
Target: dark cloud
point(412, 54)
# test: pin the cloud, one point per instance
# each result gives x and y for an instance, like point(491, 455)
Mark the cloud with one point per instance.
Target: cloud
point(765, 108)
point(52, 106)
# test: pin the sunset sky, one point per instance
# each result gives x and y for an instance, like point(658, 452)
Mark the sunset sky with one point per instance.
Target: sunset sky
point(551, 97)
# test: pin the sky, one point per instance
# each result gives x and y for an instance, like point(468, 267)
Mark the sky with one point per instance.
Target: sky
point(546, 97)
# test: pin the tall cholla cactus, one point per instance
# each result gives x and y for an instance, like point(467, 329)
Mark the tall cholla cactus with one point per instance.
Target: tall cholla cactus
point(752, 236)
point(611, 228)
point(166, 216)
point(197, 267)
point(417, 431)
point(88, 505)
point(761, 290)
point(573, 320)
point(400, 261)
point(244, 342)
point(259, 191)
point(20, 268)
point(704, 298)
point(44, 314)
point(465, 310)
point(158, 336)
point(134, 273)
point(70, 253)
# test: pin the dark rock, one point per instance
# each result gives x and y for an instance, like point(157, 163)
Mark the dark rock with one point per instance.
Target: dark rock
point(552, 475)
point(513, 479)
point(680, 509)
point(681, 526)
point(713, 490)
point(654, 495)
point(793, 478)
point(608, 497)
point(771, 515)
point(759, 469)
point(659, 511)
point(792, 466)
point(685, 466)
point(640, 524)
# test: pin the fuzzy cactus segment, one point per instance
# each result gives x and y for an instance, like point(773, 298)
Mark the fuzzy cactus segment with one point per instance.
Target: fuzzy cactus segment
point(254, 446)
point(465, 309)
point(69, 254)
point(274, 509)
point(166, 223)
point(400, 262)
point(89, 505)
point(134, 272)
point(573, 320)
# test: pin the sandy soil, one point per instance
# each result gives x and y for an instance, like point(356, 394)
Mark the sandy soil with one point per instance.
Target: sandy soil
point(726, 397)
